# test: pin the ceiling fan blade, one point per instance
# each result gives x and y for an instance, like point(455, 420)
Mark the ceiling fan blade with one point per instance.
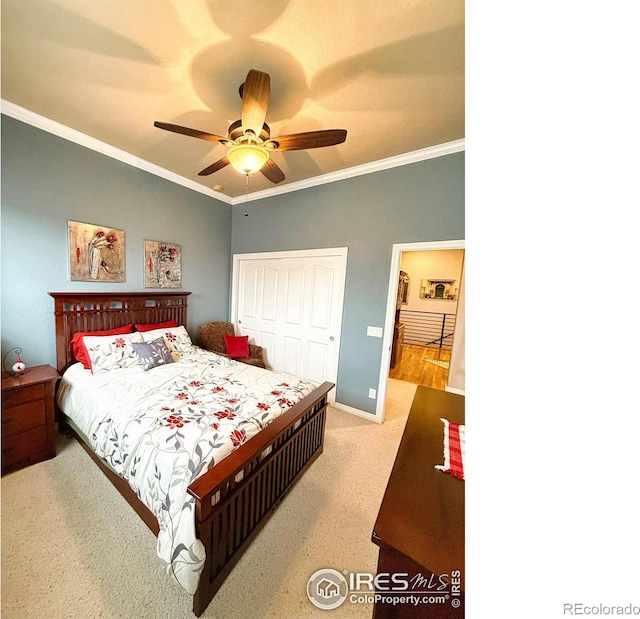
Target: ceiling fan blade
point(194, 133)
point(214, 167)
point(272, 171)
point(255, 100)
point(310, 139)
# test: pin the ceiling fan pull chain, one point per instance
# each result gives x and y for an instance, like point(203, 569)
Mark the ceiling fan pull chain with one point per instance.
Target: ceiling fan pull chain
point(246, 194)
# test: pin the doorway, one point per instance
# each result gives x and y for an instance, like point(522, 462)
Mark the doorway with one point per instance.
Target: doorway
point(426, 313)
point(426, 286)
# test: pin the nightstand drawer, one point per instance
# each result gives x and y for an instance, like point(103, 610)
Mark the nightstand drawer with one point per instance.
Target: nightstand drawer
point(23, 394)
point(24, 449)
point(18, 419)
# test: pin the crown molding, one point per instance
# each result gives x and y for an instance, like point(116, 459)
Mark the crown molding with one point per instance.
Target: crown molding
point(440, 150)
point(60, 130)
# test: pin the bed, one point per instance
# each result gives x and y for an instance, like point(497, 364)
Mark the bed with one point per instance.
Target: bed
point(223, 506)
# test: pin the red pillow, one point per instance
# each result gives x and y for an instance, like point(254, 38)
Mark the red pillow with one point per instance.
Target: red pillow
point(157, 325)
point(238, 346)
point(80, 350)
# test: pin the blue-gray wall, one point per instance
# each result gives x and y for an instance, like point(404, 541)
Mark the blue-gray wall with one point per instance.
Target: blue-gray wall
point(47, 181)
point(368, 214)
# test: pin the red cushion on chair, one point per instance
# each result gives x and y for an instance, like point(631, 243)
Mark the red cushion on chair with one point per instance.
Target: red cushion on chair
point(80, 350)
point(237, 346)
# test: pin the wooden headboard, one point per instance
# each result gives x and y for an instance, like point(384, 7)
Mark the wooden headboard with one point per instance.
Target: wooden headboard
point(96, 311)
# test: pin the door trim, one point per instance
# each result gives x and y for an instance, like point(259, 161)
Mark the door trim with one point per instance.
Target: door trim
point(301, 253)
point(396, 257)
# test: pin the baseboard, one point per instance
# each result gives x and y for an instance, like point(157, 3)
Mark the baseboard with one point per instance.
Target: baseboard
point(355, 411)
point(454, 390)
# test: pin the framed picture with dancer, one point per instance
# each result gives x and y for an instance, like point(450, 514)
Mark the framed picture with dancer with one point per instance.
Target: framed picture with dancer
point(96, 253)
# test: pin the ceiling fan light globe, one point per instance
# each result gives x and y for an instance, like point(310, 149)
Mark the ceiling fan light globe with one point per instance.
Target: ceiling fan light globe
point(247, 158)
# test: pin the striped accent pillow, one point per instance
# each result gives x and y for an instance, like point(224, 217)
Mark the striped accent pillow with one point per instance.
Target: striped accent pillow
point(454, 434)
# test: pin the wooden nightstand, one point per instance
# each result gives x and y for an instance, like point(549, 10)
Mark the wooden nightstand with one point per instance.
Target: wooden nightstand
point(28, 417)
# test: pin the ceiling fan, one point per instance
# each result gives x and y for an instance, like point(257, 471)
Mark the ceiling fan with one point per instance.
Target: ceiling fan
point(249, 139)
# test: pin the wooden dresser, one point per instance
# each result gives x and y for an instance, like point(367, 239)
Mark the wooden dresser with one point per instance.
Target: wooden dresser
point(397, 346)
point(420, 525)
point(28, 417)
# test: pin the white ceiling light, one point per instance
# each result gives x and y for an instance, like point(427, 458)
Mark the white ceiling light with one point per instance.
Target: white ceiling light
point(248, 158)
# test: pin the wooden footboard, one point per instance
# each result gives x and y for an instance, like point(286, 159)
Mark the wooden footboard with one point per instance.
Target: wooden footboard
point(236, 497)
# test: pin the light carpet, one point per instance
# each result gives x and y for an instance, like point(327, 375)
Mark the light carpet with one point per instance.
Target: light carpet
point(72, 547)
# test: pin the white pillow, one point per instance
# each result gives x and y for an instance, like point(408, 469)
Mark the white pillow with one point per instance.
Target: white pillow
point(112, 352)
point(176, 339)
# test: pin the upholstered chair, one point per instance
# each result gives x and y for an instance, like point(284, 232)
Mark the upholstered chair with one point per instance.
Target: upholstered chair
point(211, 336)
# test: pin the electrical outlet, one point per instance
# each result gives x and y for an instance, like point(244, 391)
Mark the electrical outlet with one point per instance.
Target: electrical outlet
point(372, 394)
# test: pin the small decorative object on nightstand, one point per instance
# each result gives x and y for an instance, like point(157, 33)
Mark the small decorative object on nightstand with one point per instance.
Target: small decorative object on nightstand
point(28, 417)
point(18, 367)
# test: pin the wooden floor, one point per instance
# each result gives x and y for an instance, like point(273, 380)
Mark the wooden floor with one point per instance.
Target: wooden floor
point(414, 368)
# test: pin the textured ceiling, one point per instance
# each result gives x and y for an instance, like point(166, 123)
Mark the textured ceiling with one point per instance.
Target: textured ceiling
point(389, 72)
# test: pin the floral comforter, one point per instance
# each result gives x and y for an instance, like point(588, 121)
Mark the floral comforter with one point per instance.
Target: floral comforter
point(162, 428)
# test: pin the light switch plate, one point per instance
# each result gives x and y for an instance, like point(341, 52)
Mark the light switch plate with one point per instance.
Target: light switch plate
point(374, 331)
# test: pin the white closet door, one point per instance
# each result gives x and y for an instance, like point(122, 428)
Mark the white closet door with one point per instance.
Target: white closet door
point(292, 307)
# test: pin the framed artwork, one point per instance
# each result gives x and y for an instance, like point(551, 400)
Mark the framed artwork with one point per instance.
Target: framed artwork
point(162, 265)
point(96, 253)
